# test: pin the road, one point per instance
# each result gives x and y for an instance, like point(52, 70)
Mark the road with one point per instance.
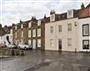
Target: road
point(47, 61)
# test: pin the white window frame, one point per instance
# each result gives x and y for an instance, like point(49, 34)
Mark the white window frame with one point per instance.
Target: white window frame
point(69, 41)
point(29, 33)
point(52, 17)
point(16, 27)
point(70, 14)
point(51, 29)
point(60, 28)
point(51, 43)
point(85, 29)
point(29, 42)
point(15, 34)
point(39, 32)
point(29, 24)
point(39, 43)
point(39, 22)
point(34, 32)
point(21, 33)
point(69, 27)
point(21, 25)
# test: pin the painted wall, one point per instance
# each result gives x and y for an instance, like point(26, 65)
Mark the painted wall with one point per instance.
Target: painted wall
point(64, 35)
point(81, 38)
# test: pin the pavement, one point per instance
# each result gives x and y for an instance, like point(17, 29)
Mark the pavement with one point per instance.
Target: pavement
point(47, 61)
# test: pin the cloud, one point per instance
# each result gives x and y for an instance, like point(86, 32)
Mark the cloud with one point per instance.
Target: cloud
point(14, 10)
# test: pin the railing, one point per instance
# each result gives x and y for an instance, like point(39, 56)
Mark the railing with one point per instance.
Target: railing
point(11, 52)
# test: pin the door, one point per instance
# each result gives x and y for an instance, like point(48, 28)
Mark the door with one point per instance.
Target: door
point(60, 45)
point(34, 44)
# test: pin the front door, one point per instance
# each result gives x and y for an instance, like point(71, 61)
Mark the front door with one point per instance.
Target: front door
point(34, 44)
point(60, 45)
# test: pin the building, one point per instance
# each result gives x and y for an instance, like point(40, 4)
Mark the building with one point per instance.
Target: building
point(31, 32)
point(67, 33)
point(6, 35)
point(63, 32)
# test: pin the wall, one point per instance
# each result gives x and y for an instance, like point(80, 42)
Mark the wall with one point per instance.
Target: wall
point(64, 35)
point(81, 38)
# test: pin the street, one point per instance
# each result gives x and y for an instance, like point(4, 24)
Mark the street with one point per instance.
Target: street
point(36, 60)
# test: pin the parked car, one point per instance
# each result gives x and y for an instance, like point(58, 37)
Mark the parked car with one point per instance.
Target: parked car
point(11, 46)
point(2, 45)
point(24, 46)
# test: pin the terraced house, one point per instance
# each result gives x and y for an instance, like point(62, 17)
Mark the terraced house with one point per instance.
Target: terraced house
point(31, 32)
point(69, 31)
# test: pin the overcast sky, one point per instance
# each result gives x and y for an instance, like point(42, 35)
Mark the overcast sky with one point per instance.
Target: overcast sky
point(11, 11)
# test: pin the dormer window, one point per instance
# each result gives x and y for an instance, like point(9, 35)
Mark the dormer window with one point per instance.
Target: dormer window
point(39, 22)
point(70, 14)
point(21, 25)
point(15, 27)
point(52, 17)
point(11, 31)
point(29, 25)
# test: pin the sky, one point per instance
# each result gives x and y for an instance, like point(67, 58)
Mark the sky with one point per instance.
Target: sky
point(12, 11)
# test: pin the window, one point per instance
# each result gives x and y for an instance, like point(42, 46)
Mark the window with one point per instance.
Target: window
point(11, 31)
point(85, 44)
point(60, 28)
point(51, 43)
point(15, 34)
point(39, 43)
point(29, 25)
point(39, 22)
point(51, 29)
point(29, 33)
point(16, 27)
point(38, 32)
point(69, 42)
point(85, 30)
point(21, 41)
point(29, 42)
point(21, 25)
point(52, 17)
point(70, 14)
point(34, 32)
point(22, 34)
point(69, 27)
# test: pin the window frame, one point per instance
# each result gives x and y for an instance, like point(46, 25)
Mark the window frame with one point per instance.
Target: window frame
point(51, 29)
point(69, 27)
point(38, 42)
point(83, 44)
point(39, 32)
point(29, 33)
point(39, 22)
point(60, 28)
point(84, 29)
point(69, 41)
point(29, 25)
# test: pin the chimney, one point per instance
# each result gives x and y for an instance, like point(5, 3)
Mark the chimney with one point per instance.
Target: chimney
point(82, 6)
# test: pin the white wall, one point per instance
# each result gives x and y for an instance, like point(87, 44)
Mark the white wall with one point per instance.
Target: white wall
point(81, 38)
point(64, 35)
point(3, 38)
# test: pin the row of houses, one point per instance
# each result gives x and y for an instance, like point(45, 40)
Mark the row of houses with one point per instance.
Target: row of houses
point(68, 31)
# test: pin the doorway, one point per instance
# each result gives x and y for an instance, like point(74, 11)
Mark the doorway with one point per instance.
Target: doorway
point(60, 45)
point(34, 44)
